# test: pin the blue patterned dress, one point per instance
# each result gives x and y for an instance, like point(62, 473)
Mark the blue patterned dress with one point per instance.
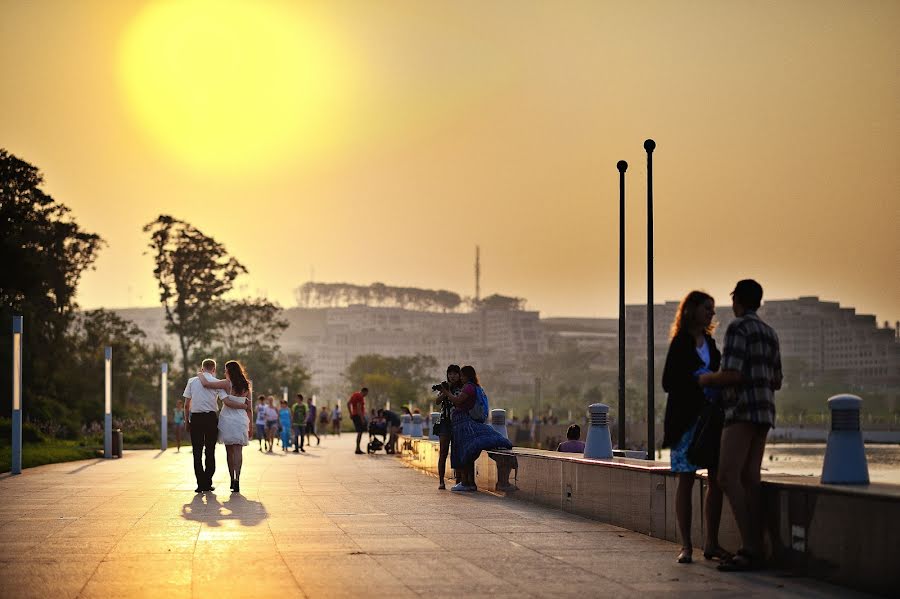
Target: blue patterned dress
point(470, 438)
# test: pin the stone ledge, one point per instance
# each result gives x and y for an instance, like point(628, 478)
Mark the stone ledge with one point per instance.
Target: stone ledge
point(845, 534)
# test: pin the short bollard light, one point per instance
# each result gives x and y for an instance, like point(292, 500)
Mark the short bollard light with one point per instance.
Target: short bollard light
point(406, 424)
point(845, 455)
point(416, 425)
point(435, 418)
point(498, 422)
point(599, 443)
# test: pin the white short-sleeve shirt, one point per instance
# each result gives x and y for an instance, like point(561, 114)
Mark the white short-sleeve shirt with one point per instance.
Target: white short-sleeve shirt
point(203, 399)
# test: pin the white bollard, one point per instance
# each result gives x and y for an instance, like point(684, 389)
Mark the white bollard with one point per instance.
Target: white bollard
point(498, 422)
point(599, 443)
point(416, 426)
point(406, 424)
point(845, 455)
point(435, 418)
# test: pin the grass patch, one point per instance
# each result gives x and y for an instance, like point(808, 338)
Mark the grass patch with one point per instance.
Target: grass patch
point(48, 452)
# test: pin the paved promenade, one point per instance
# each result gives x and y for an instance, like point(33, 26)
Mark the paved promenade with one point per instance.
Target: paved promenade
point(325, 524)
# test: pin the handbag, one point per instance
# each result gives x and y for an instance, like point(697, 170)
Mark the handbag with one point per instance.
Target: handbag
point(704, 448)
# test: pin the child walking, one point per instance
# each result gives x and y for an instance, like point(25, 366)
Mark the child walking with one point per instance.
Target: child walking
point(284, 414)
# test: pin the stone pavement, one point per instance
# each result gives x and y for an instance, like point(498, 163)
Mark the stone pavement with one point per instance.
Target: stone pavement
point(325, 524)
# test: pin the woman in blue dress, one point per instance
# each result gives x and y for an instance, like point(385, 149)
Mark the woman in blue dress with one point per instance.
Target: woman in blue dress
point(691, 351)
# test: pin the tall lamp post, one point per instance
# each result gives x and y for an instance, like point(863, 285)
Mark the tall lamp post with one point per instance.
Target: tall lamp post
point(107, 420)
point(622, 166)
point(649, 146)
point(16, 466)
point(164, 401)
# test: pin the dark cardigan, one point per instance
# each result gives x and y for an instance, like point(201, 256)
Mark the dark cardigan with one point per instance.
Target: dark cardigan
point(685, 400)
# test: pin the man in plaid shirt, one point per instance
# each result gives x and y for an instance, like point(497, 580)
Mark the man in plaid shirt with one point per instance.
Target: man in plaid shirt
point(750, 375)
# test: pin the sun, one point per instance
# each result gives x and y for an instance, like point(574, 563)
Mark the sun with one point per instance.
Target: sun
point(236, 86)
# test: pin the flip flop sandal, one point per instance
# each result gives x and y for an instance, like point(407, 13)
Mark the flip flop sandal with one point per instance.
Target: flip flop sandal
point(718, 554)
point(738, 563)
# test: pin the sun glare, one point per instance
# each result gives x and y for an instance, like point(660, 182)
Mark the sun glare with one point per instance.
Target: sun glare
point(236, 86)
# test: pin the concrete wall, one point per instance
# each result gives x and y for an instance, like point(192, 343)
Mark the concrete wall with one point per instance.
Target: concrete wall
point(849, 535)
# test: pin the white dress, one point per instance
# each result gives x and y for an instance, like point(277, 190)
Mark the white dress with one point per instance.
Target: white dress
point(234, 425)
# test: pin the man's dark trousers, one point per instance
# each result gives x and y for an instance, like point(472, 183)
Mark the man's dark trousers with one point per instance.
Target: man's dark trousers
point(204, 432)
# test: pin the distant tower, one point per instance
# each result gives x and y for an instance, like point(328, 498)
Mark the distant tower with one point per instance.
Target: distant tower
point(477, 274)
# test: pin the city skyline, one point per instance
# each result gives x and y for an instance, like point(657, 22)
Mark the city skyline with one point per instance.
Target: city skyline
point(499, 123)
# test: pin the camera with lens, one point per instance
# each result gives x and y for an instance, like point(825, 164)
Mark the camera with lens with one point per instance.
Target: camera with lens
point(440, 386)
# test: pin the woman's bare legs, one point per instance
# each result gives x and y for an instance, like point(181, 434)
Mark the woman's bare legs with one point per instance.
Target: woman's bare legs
point(228, 454)
point(683, 509)
point(238, 461)
point(442, 458)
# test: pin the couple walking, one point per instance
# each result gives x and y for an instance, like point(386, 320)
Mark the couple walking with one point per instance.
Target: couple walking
point(206, 424)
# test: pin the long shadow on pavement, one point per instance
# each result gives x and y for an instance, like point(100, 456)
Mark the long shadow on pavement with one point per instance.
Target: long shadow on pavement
point(206, 507)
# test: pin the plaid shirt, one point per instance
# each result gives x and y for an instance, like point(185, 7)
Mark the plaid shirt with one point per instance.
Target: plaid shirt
point(752, 348)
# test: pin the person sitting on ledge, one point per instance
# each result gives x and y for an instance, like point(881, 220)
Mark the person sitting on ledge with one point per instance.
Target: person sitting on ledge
point(573, 445)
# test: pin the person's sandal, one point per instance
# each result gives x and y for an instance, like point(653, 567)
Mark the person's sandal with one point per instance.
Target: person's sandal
point(442, 486)
point(685, 556)
point(717, 554)
point(740, 562)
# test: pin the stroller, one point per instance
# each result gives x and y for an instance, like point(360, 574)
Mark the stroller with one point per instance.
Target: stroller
point(376, 428)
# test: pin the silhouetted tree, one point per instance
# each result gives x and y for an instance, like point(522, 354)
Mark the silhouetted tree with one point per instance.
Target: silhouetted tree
point(44, 253)
point(194, 272)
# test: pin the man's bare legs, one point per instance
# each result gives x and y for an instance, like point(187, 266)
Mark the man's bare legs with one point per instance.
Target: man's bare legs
point(712, 515)
point(743, 444)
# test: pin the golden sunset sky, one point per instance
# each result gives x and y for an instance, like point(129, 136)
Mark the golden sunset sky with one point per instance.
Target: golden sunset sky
point(381, 141)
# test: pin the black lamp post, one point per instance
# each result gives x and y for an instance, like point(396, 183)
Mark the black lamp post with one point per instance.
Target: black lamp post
point(622, 166)
point(649, 146)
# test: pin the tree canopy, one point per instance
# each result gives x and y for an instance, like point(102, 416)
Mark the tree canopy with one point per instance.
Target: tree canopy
point(404, 380)
point(44, 253)
point(330, 295)
point(194, 271)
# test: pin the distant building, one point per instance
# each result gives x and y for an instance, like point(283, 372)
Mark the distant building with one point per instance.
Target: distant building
point(331, 338)
point(818, 337)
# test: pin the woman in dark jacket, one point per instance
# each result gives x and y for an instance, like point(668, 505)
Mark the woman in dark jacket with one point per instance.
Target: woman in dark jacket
point(692, 351)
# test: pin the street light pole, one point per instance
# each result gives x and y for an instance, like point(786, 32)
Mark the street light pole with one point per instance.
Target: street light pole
point(107, 420)
point(649, 146)
point(16, 465)
point(163, 398)
point(622, 166)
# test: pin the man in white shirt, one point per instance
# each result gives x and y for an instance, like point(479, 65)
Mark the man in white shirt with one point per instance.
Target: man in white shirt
point(201, 408)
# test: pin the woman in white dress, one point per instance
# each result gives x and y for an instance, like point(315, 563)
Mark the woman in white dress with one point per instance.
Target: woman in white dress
point(234, 421)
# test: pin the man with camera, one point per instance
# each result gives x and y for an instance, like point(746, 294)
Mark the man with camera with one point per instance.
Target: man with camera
point(443, 427)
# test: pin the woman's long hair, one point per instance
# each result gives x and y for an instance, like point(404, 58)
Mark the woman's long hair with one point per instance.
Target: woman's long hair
point(469, 373)
point(687, 310)
point(239, 382)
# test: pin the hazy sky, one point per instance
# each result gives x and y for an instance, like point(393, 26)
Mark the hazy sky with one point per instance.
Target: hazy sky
point(381, 141)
